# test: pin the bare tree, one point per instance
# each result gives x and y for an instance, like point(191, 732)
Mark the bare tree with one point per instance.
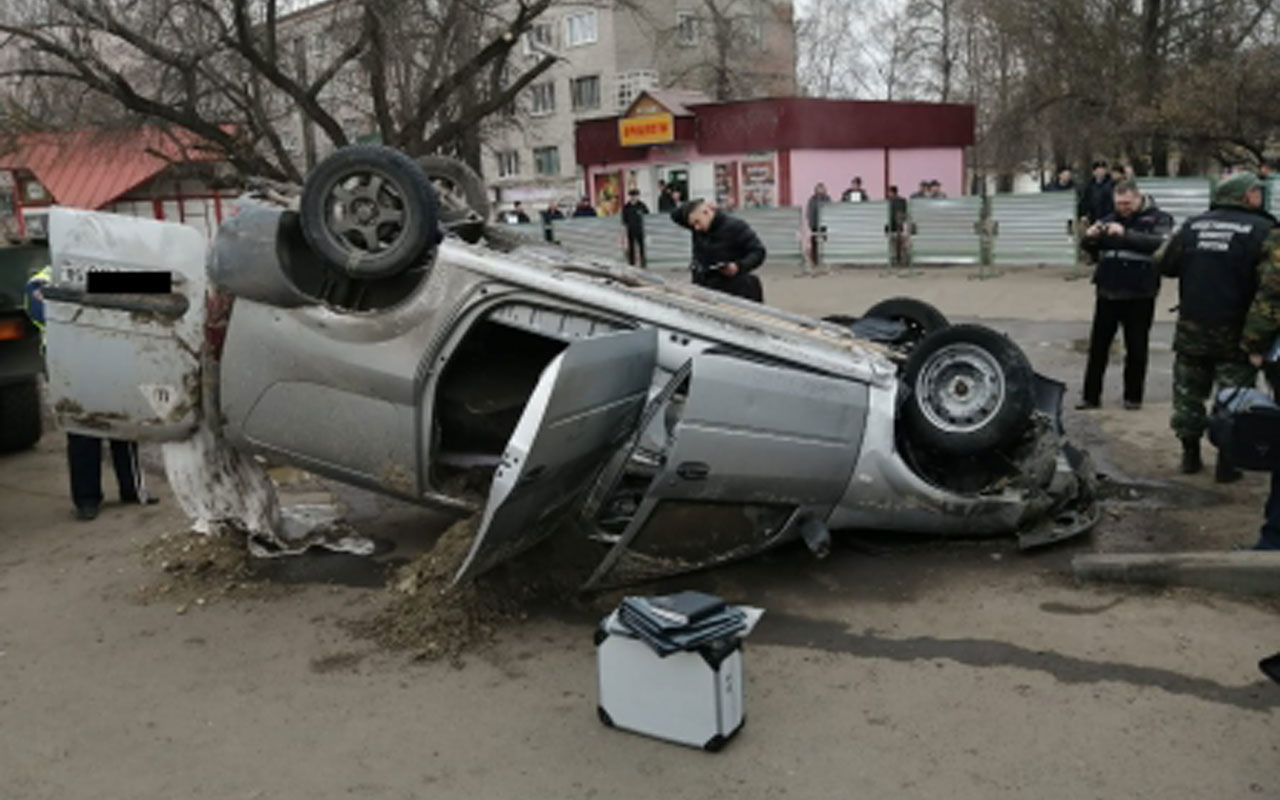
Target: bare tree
point(237, 73)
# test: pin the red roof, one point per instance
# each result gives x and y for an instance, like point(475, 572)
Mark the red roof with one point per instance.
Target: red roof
point(89, 169)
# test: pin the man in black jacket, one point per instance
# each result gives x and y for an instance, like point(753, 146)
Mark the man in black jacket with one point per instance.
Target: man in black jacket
point(1123, 243)
point(633, 220)
point(1217, 257)
point(1096, 199)
point(725, 249)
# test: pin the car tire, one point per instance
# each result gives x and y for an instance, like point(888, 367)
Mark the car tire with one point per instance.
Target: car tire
point(20, 424)
point(370, 211)
point(970, 390)
point(464, 203)
point(922, 318)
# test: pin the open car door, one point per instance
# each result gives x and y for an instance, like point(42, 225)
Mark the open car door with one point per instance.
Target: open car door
point(125, 325)
point(584, 406)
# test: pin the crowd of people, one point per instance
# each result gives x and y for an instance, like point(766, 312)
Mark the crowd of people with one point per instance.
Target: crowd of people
point(1227, 263)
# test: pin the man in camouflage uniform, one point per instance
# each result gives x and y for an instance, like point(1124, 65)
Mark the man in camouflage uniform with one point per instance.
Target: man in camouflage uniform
point(1216, 256)
point(1261, 327)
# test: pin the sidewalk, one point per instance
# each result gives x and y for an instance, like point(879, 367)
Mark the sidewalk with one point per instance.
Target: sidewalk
point(1031, 293)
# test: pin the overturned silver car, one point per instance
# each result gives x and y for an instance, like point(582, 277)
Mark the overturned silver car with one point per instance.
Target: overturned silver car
point(383, 334)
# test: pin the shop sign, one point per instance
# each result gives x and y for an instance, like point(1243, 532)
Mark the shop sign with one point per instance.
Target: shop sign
point(645, 130)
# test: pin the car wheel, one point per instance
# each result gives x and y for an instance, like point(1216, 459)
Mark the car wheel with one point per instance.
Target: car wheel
point(20, 426)
point(970, 390)
point(370, 211)
point(464, 203)
point(920, 318)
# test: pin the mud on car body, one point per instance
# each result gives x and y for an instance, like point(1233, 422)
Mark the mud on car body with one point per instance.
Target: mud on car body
point(382, 333)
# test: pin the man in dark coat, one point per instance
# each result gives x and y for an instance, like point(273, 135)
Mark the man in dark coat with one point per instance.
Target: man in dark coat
point(1097, 199)
point(633, 220)
point(1127, 284)
point(1216, 257)
point(813, 216)
point(666, 200)
point(725, 249)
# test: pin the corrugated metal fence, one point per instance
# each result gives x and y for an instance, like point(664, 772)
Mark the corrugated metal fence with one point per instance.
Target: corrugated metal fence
point(1034, 228)
point(1023, 229)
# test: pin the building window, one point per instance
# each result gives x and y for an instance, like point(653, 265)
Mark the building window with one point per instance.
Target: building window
point(542, 98)
point(541, 33)
point(546, 160)
point(687, 28)
point(508, 163)
point(580, 28)
point(631, 84)
point(585, 92)
point(752, 29)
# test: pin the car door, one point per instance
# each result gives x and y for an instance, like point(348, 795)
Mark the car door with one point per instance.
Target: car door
point(754, 448)
point(585, 405)
point(124, 325)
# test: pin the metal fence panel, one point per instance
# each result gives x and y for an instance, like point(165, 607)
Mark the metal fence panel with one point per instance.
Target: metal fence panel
point(1034, 229)
point(945, 230)
point(780, 230)
point(666, 244)
point(598, 237)
point(1273, 186)
point(1181, 197)
point(855, 233)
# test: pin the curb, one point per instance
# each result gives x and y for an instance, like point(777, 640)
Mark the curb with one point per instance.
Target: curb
point(1245, 572)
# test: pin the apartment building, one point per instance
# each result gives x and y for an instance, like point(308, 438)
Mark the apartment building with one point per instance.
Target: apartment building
point(610, 53)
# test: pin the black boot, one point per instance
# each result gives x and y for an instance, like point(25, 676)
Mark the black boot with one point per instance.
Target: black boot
point(1191, 462)
point(1223, 472)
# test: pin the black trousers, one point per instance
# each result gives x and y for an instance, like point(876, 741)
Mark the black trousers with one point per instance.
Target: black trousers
point(84, 460)
point(635, 249)
point(1135, 314)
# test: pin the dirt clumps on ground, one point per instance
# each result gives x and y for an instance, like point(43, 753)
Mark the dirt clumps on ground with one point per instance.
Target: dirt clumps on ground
point(435, 620)
point(197, 570)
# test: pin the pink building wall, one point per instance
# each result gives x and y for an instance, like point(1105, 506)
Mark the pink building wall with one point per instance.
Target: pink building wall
point(836, 168)
point(908, 167)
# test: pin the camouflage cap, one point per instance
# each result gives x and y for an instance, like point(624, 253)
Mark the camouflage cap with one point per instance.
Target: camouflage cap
point(1233, 189)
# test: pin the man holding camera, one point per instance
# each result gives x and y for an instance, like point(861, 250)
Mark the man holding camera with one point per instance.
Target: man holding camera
point(1127, 284)
point(725, 249)
point(1217, 257)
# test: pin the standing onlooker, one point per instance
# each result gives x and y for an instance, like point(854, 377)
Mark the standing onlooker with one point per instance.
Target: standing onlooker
point(584, 208)
point(897, 226)
point(1127, 285)
point(1064, 182)
point(922, 192)
point(1261, 327)
point(855, 193)
point(549, 215)
point(633, 220)
point(518, 209)
point(813, 216)
point(1097, 199)
point(1216, 256)
point(666, 201)
point(935, 190)
point(84, 453)
point(725, 249)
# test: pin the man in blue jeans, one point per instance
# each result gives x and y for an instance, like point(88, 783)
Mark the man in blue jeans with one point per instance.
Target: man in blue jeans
point(84, 453)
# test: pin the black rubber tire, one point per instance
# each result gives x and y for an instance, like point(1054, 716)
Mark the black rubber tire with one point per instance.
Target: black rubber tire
point(20, 424)
point(464, 202)
point(407, 189)
point(922, 317)
point(1005, 422)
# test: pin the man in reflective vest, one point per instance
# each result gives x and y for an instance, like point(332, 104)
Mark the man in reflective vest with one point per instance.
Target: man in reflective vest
point(84, 453)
